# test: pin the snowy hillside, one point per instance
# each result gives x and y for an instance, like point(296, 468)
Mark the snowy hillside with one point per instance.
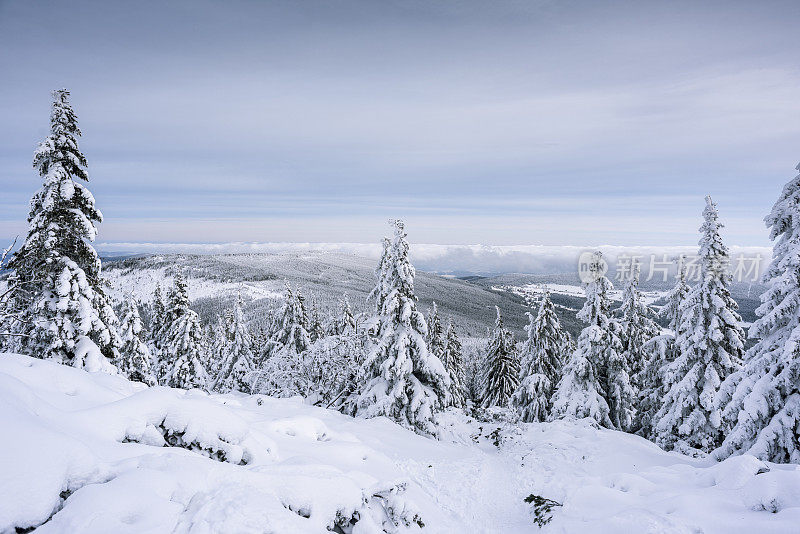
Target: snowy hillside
point(323, 277)
point(87, 453)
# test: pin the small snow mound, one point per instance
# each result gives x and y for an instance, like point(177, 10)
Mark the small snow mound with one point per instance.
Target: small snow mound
point(773, 491)
point(735, 472)
point(308, 428)
point(160, 417)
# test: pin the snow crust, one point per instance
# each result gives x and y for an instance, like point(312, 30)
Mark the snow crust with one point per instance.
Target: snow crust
point(85, 452)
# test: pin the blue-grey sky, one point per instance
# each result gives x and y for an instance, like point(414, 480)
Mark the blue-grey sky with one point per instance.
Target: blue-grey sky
point(502, 122)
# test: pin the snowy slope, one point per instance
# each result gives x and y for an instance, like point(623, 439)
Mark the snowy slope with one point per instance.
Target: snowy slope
point(90, 448)
point(322, 276)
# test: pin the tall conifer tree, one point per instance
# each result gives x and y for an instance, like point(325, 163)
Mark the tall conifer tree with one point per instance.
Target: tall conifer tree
point(66, 314)
point(184, 345)
point(709, 346)
point(580, 392)
point(404, 381)
point(502, 367)
point(542, 358)
point(762, 400)
point(135, 355)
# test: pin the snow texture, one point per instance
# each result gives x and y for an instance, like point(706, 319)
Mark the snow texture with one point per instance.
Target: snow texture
point(85, 452)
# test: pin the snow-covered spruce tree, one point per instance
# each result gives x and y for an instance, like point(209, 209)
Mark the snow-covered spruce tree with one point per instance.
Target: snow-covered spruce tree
point(347, 321)
point(762, 400)
point(135, 359)
point(382, 273)
point(580, 392)
point(502, 367)
point(236, 366)
point(326, 373)
point(315, 328)
point(453, 360)
point(184, 348)
point(218, 337)
point(9, 314)
point(292, 325)
point(637, 326)
point(541, 360)
point(676, 297)
point(157, 332)
point(66, 317)
point(158, 313)
point(404, 381)
point(709, 347)
point(66, 313)
point(659, 352)
point(437, 341)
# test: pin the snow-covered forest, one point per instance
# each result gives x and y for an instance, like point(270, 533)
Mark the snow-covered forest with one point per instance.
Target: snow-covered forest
point(127, 408)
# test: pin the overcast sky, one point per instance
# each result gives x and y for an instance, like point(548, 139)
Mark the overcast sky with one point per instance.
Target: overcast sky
point(516, 122)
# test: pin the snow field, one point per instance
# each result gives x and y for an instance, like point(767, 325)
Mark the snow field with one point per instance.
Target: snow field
point(90, 447)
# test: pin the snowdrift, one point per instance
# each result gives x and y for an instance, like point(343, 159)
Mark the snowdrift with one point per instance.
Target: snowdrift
point(94, 453)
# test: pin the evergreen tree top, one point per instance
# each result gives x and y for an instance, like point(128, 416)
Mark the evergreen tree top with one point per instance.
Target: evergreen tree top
point(61, 146)
point(596, 308)
point(179, 294)
point(498, 322)
point(502, 341)
point(713, 252)
point(784, 219)
point(783, 292)
point(546, 317)
point(676, 295)
point(131, 321)
point(632, 307)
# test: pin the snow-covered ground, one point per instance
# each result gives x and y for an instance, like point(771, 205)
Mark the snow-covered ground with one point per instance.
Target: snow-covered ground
point(535, 291)
point(86, 453)
point(141, 285)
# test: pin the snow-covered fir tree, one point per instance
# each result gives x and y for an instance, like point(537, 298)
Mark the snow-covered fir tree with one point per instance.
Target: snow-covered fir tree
point(291, 329)
point(184, 350)
point(158, 315)
point(762, 400)
point(436, 334)
point(382, 272)
point(453, 360)
point(9, 314)
point(65, 312)
point(502, 367)
point(709, 345)
point(541, 359)
point(404, 381)
point(676, 296)
point(347, 320)
point(326, 374)
point(580, 392)
point(66, 318)
point(659, 352)
point(157, 333)
point(135, 359)
point(315, 329)
point(236, 365)
point(218, 336)
point(637, 326)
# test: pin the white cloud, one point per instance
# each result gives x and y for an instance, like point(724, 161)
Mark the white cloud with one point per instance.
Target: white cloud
point(536, 259)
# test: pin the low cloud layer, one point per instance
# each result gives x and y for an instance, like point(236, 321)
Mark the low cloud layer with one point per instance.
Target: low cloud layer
point(456, 259)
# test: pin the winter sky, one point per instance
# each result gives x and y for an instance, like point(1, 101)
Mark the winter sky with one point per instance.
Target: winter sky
point(503, 122)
